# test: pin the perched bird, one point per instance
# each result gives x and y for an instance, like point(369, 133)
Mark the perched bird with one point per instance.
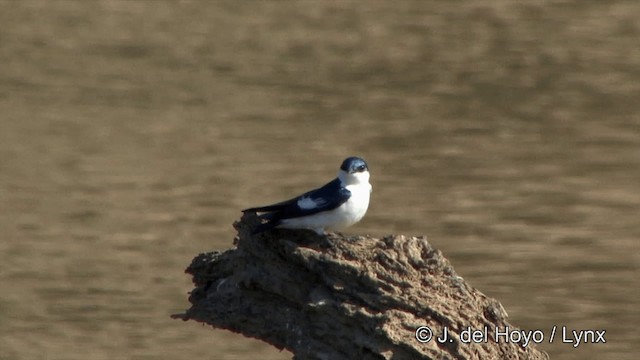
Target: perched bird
point(340, 203)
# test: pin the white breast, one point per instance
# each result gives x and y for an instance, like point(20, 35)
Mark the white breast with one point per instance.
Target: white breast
point(356, 207)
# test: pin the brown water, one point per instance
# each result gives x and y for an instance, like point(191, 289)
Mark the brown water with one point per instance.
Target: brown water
point(132, 133)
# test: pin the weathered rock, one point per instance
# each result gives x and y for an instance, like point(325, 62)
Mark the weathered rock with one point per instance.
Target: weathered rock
point(338, 297)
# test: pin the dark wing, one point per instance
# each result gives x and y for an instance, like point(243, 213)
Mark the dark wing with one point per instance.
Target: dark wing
point(273, 207)
point(325, 198)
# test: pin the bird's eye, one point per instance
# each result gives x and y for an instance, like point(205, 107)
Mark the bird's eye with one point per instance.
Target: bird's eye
point(361, 168)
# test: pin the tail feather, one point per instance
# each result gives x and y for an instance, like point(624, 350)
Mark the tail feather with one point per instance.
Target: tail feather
point(271, 208)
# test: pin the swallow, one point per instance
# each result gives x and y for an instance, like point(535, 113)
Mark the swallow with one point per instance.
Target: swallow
point(340, 203)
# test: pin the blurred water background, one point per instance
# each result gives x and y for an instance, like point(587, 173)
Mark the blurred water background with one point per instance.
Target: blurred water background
point(133, 132)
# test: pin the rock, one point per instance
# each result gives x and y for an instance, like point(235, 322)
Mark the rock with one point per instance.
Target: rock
point(346, 297)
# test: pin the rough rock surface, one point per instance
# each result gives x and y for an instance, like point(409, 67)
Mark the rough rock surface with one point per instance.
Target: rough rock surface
point(338, 297)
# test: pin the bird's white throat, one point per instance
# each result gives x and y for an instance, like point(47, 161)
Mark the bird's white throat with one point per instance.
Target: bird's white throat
point(359, 178)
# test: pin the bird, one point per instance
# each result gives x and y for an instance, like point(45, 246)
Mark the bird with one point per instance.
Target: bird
point(338, 204)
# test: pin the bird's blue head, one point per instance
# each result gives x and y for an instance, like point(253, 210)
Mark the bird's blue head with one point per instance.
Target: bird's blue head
point(353, 164)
